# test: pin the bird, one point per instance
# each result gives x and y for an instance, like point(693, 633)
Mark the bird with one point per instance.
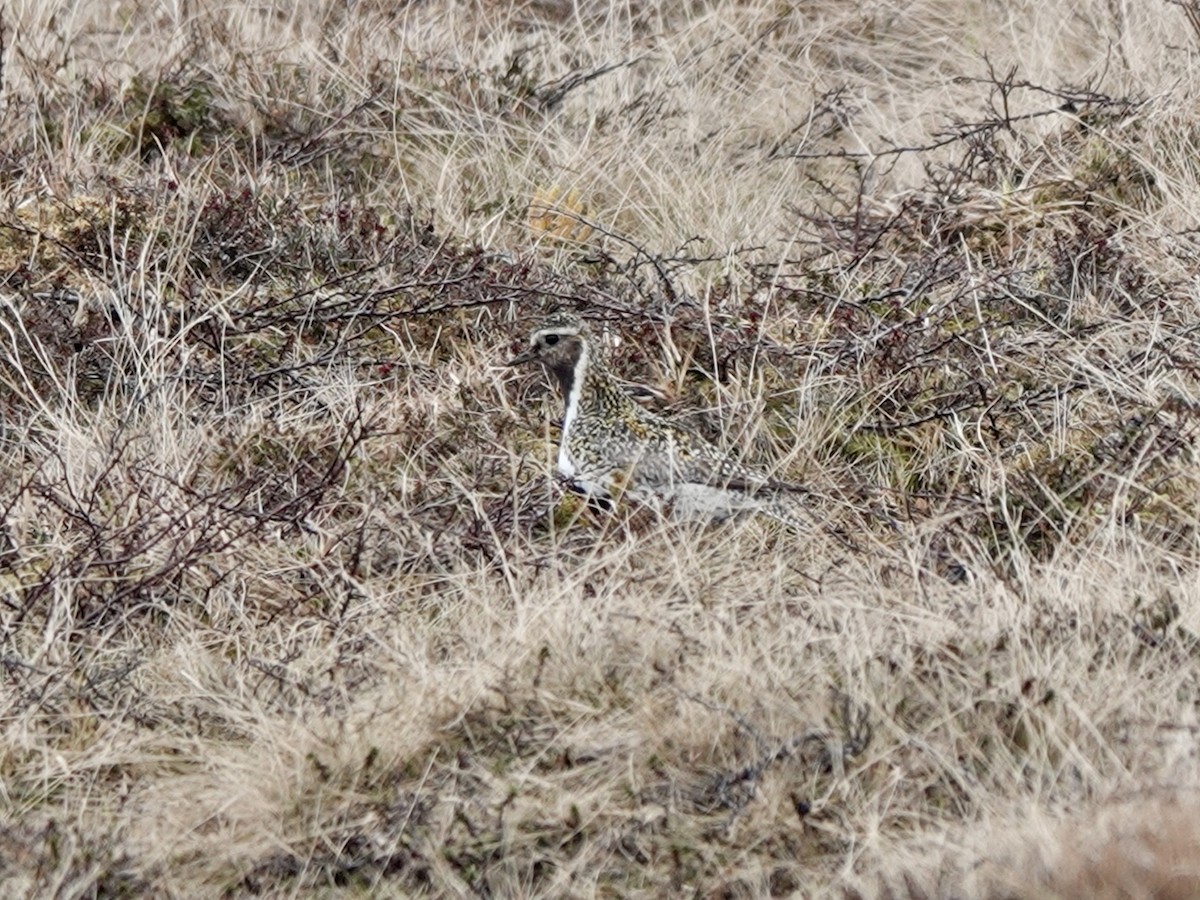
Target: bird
point(611, 447)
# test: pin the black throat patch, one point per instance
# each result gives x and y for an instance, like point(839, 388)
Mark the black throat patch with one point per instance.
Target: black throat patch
point(565, 366)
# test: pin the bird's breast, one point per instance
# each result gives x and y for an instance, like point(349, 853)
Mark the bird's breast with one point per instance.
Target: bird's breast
point(566, 468)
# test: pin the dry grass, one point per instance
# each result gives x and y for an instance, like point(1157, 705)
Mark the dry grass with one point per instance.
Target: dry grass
point(291, 604)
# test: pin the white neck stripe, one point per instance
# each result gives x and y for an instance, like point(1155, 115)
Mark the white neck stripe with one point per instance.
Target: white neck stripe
point(572, 405)
point(565, 467)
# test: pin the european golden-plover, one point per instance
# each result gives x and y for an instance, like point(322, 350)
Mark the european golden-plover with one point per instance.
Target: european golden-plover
point(611, 446)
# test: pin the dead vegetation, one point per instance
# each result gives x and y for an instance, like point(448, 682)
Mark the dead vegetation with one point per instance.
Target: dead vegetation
point(290, 602)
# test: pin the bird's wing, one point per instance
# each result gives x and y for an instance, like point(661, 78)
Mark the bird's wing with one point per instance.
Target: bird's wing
point(698, 461)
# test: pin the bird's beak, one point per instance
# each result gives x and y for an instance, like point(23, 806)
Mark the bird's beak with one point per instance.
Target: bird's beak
point(520, 358)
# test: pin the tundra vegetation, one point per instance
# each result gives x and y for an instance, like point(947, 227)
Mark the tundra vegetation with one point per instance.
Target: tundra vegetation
point(291, 602)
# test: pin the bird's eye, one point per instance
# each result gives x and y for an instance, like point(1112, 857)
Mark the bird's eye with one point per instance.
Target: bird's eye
point(551, 340)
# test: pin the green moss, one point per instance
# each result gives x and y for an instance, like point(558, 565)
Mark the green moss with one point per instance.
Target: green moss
point(162, 113)
point(890, 457)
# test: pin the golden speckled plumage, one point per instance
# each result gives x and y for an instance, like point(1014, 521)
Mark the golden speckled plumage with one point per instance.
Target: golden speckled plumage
point(610, 445)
